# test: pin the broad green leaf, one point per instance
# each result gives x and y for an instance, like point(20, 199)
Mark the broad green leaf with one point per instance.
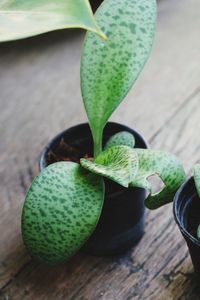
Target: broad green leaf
point(124, 138)
point(167, 167)
point(61, 210)
point(141, 179)
point(109, 68)
point(24, 18)
point(196, 172)
point(118, 163)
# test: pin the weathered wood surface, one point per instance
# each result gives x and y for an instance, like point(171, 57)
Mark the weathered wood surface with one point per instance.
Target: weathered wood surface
point(40, 96)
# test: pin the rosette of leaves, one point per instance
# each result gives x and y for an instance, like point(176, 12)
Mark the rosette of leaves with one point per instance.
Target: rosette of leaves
point(64, 202)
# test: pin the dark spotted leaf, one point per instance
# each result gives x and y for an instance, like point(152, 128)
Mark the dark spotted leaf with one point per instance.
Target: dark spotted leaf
point(61, 210)
point(109, 68)
point(167, 167)
point(118, 163)
point(198, 232)
point(141, 180)
point(121, 138)
point(24, 18)
point(196, 172)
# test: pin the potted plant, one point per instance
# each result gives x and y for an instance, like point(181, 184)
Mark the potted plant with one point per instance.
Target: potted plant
point(186, 212)
point(74, 193)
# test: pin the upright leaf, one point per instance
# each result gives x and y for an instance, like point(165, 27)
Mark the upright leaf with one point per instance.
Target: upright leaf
point(61, 210)
point(118, 163)
point(24, 18)
point(167, 167)
point(109, 68)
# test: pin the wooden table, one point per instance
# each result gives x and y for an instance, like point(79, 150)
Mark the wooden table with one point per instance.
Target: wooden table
point(40, 96)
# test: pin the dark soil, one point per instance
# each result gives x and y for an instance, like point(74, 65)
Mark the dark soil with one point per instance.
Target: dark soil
point(66, 152)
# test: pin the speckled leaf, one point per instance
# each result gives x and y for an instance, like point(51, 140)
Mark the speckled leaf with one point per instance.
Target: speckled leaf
point(198, 232)
point(196, 172)
point(61, 210)
point(141, 180)
point(118, 163)
point(24, 18)
point(121, 138)
point(167, 167)
point(109, 68)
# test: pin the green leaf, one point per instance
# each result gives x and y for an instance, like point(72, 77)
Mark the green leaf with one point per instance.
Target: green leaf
point(109, 68)
point(24, 18)
point(198, 232)
point(196, 172)
point(141, 180)
point(61, 210)
point(167, 167)
point(121, 138)
point(118, 163)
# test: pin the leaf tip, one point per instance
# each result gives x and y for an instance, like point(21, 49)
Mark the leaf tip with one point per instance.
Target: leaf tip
point(101, 34)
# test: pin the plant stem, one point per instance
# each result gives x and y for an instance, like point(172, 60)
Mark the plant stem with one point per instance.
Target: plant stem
point(98, 143)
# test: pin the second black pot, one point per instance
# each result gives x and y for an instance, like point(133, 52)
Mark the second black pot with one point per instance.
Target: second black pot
point(121, 224)
point(187, 215)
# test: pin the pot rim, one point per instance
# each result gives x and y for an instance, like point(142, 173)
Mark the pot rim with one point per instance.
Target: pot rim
point(176, 210)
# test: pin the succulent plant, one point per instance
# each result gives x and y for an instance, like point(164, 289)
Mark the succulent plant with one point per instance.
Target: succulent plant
point(64, 202)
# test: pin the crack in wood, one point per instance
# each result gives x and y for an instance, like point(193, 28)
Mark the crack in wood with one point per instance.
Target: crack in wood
point(22, 182)
point(15, 275)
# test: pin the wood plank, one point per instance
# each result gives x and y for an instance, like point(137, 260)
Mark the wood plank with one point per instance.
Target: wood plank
point(29, 70)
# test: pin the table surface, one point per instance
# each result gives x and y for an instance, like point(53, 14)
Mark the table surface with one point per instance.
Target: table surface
point(39, 97)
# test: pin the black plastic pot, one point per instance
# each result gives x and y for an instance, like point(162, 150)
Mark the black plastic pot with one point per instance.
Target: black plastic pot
point(95, 3)
point(121, 224)
point(187, 215)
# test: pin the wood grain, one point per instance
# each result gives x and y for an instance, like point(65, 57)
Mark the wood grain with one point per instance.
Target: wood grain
point(40, 96)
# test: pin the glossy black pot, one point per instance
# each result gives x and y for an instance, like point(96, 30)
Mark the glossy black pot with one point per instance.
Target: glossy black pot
point(95, 3)
point(121, 224)
point(186, 209)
